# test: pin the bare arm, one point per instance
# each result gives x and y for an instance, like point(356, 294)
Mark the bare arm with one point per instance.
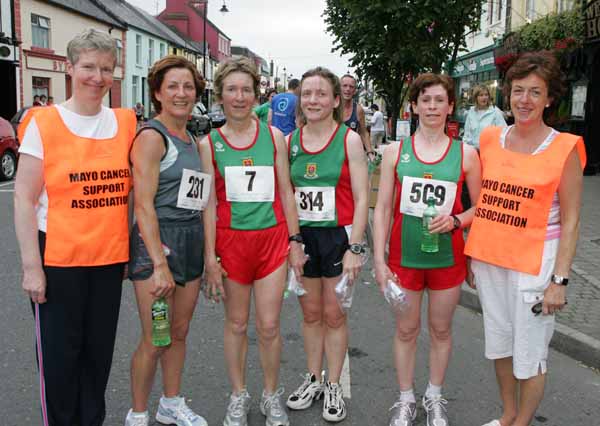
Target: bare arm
point(28, 187)
point(569, 196)
point(364, 135)
point(146, 153)
point(214, 271)
point(383, 213)
point(288, 201)
point(359, 180)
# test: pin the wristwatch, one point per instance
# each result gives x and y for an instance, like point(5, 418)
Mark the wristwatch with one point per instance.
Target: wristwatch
point(457, 222)
point(356, 248)
point(297, 238)
point(557, 279)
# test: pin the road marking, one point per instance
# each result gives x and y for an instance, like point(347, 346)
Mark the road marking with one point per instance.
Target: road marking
point(7, 183)
point(7, 190)
point(345, 378)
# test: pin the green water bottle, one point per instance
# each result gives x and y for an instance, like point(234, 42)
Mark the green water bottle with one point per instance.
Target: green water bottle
point(161, 329)
point(429, 241)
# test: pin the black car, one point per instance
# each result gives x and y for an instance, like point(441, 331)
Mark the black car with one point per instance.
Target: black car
point(217, 118)
point(199, 122)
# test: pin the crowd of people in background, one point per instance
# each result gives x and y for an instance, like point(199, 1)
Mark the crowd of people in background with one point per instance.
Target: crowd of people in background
point(287, 182)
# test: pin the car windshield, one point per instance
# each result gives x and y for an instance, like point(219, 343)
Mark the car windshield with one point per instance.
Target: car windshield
point(199, 108)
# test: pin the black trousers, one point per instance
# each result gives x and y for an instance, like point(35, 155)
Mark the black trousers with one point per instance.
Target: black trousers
point(77, 327)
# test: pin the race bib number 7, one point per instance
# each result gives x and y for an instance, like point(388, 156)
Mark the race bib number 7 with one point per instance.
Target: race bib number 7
point(315, 203)
point(416, 192)
point(194, 190)
point(250, 184)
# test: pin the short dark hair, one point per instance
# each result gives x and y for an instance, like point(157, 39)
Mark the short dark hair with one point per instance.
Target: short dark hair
point(293, 84)
point(36, 96)
point(157, 73)
point(429, 79)
point(543, 64)
point(375, 107)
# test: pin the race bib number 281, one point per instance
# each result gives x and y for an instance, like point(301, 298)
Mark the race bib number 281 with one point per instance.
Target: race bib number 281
point(416, 192)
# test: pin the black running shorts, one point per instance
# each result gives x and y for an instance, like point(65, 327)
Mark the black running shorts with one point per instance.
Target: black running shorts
point(326, 248)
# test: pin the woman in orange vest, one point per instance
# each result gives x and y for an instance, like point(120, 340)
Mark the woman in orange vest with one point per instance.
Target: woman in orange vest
point(71, 197)
point(523, 236)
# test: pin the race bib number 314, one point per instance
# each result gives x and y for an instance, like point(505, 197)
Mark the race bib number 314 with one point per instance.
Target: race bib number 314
point(316, 204)
point(416, 192)
point(250, 184)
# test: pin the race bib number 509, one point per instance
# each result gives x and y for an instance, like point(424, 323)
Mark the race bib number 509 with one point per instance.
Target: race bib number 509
point(416, 192)
point(250, 184)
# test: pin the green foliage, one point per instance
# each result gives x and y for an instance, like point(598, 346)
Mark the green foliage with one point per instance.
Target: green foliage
point(549, 31)
point(390, 40)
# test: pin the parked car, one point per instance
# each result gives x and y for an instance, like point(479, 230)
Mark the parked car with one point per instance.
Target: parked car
point(199, 122)
point(18, 118)
point(217, 118)
point(9, 150)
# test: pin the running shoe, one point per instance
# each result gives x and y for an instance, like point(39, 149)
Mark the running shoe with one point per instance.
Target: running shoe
point(180, 414)
point(140, 419)
point(272, 407)
point(436, 412)
point(309, 391)
point(237, 410)
point(404, 413)
point(334, 408)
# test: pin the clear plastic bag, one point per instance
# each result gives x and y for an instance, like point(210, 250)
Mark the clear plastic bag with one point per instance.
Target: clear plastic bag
point(344, 292)
point(395, 296)
point(293, 286)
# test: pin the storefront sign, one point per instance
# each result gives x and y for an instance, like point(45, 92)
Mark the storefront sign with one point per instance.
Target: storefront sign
point(591, 16)
point(474, 64)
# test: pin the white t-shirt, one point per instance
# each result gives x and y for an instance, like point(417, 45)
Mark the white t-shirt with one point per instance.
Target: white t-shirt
point(377, 122)
point(100, 126)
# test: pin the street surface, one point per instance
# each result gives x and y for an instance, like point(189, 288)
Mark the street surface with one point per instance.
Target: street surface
point(572, 396)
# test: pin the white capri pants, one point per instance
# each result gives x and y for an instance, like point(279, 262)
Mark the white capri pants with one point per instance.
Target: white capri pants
point(511, 328)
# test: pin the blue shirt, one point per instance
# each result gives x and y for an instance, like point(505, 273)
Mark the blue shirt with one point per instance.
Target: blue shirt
point(283, 107)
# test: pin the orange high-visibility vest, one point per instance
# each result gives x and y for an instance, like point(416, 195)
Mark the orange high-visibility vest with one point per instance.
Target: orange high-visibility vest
point(25, 122)
point(511, 217)
point(88, 183)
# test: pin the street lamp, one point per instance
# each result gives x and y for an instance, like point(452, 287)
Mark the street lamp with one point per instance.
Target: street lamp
point(224, 8)
point(284, 80)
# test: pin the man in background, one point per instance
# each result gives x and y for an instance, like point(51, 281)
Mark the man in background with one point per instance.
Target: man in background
point(283, 108)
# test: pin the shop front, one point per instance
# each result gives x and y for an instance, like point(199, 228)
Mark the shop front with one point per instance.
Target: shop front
point(471, 70)
point(590, 86)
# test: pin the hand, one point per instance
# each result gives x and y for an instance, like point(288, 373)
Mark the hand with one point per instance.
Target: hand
point(34, 284)
point(383, 274)
point(214, 274)
point(554, 299)
point(297, 259)
point(351, 263)
point(441, 224)
point(163, 283)
point(470, 276)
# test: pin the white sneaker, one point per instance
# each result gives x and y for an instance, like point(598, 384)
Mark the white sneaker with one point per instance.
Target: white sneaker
point(309, 391)
point(237, 410)
point(138, 419)
point(493, 423)
point(180, 414)
point(334, 408)
point(273, 409)
point(404, 413)
point(436, 412)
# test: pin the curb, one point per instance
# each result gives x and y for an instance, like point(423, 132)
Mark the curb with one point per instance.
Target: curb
point(566, 340)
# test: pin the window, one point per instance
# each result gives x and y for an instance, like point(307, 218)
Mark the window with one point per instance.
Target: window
point(163, 50)
point(135, 81)
point(138, 49)
point(150, 52)
point(40, 31)
point(119, 52)
point(494, 11)
point(564, 5)
point(530, 9)
point(40, 86)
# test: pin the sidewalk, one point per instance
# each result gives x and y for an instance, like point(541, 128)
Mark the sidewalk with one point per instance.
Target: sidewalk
point(577, 331)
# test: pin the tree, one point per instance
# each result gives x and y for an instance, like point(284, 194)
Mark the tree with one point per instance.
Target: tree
point(391, 40)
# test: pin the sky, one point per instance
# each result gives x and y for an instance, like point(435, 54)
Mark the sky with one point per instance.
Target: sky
point(291, 33)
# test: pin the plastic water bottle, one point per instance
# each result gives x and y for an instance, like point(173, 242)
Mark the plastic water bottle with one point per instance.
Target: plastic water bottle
point(429, 241)
point(344, 292)
point(161, 329)
point(395, 296)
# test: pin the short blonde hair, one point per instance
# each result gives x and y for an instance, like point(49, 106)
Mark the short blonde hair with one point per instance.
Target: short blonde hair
point(478, 90)
point(90, 39)
point(244, 65)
